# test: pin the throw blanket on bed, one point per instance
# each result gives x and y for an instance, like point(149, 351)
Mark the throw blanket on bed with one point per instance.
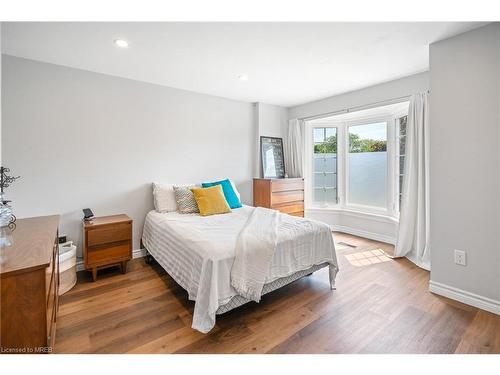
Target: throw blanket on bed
point(255, 247)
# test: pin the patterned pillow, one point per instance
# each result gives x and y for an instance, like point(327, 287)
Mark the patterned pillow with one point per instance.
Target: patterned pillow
point(185, 200)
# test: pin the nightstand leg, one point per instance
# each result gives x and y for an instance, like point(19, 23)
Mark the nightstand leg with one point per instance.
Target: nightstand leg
point(94, 274)
point(124, 267)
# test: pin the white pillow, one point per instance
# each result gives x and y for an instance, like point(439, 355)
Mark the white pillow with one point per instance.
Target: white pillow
point(164, 197)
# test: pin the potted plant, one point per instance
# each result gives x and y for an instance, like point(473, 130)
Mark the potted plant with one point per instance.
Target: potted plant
point(6, 215)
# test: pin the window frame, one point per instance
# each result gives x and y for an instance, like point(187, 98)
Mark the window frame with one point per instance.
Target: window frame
point(397, 143)
point(359, 207)
point(312, 173)
point(309, 165)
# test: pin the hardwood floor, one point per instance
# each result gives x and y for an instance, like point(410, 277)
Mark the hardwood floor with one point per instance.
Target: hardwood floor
point(380, 306)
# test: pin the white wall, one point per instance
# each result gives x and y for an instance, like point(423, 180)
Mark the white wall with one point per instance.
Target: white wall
point(373, 94)
point(81, 139)
point(370, 226)
point(465, 161)
point(273, 120)
point(270, 121)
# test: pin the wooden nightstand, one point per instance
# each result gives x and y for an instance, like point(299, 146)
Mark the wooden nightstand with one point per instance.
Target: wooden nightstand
point(107, 242)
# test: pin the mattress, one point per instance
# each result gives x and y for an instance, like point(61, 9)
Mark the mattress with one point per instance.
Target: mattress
point(198, 253)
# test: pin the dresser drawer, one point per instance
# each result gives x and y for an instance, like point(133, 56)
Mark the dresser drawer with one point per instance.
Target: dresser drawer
point(290, 208)
point(287, 197)
point(49, 286)
point(50, 272)
point(51, 307)
point(287, 185)
point(52, 288)
point(115, 233)
point(105, 254)
point(51, 319)
point(51, 328)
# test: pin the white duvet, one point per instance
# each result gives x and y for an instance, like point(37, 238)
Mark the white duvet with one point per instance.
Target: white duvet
point(199, 252)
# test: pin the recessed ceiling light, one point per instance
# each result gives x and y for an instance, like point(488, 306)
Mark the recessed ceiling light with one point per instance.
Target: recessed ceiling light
point(121, 43)
point(243, 77)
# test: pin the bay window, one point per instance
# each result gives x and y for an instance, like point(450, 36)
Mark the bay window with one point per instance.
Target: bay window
point(355, 161)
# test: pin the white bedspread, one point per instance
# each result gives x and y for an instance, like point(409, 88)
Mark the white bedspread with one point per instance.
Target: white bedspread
point(255, 247)
point(198, 252)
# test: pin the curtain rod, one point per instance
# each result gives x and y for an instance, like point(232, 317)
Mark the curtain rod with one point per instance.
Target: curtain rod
point(359, 108)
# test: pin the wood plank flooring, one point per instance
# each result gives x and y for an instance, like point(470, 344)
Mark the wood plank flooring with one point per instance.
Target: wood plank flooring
point(380, 306)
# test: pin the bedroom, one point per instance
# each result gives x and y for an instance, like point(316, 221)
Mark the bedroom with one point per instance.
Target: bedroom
point(247, 198)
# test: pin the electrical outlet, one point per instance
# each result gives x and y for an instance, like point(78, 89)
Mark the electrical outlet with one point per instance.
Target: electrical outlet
point(460, 257)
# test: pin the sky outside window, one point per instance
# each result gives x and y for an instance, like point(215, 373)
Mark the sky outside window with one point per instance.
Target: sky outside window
point(376, 131)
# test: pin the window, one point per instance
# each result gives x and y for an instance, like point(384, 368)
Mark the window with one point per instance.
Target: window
point(401, 126)
point(355, 160)
point(325, 166)
point(367, 167)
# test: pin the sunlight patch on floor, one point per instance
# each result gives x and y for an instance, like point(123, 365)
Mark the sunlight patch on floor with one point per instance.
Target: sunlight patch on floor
point(366, 258)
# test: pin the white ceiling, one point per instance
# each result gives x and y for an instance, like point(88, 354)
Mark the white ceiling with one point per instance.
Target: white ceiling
point(286, 63)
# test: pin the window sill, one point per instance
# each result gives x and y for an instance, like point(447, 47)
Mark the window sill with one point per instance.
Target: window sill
point(355, 213)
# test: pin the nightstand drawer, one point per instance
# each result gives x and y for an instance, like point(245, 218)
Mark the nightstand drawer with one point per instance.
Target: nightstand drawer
point(115, 233)
point(105, 254)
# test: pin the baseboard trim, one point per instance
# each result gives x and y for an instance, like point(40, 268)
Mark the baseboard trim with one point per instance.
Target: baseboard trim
point(460, 295)
point(138, 253)
point(365, 234)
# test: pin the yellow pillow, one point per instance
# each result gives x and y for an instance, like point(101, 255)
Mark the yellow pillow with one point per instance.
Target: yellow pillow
point(211, 201)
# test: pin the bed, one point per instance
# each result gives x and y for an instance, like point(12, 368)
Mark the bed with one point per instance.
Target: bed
point(198, 253)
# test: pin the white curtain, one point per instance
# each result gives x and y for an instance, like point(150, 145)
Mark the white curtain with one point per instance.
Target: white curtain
point(294, 150)
point(413, 234)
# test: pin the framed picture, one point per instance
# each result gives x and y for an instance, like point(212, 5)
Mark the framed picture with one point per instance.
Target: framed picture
point(272, 158)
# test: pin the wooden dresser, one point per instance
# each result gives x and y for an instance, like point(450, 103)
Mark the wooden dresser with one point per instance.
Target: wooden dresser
point(107, 242)
point(284, 194)
point(29, 272)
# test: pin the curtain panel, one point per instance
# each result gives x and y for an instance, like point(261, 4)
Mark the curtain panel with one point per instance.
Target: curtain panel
point(294, 151)
point(413, 232)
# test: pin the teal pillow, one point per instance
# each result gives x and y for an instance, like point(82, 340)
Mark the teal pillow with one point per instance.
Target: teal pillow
point(232, 199)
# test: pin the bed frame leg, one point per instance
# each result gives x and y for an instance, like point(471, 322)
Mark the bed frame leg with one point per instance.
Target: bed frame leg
point(149, 257)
